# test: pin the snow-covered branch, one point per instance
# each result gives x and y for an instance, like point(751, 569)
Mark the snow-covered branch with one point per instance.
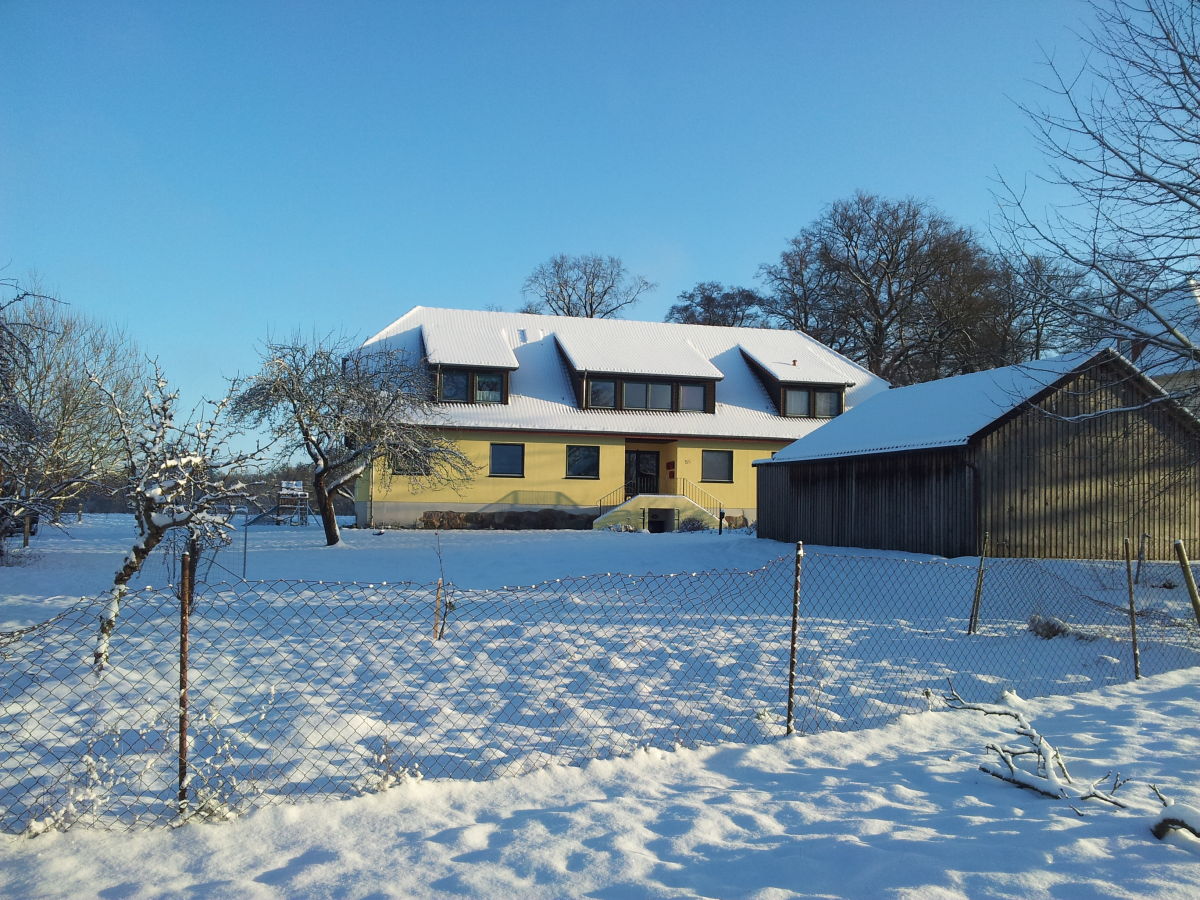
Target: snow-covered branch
point(1035, 764)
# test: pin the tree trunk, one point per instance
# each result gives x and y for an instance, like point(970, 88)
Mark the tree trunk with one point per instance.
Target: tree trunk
point(108, 621)
point(326, 510)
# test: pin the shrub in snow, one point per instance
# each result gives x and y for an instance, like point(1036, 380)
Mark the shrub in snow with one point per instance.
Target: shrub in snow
point(1049, 627)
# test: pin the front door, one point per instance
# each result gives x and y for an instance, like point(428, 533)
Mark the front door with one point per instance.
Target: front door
point(641, 472)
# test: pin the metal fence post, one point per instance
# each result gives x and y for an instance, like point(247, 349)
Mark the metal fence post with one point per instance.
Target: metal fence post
point(1181, 553)
point(1137, 662)
point(791, 700)
point(973, 622)
point(186, 588)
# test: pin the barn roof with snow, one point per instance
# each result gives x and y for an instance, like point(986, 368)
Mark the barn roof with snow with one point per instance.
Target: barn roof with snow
point(943, 413)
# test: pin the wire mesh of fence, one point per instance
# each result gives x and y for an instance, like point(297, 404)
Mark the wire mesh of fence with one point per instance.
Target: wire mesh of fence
point(308, 691)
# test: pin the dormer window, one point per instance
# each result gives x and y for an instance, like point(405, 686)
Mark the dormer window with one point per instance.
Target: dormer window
point(643, 394)
point(811, 402)
point(472, 386)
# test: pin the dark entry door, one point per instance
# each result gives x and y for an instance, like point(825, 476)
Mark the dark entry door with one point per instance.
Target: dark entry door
point(641, 472)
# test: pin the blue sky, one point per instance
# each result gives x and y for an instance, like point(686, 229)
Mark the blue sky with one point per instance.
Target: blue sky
point(206, 174)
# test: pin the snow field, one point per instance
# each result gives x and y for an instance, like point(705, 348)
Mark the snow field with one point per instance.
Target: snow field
point(312, 691)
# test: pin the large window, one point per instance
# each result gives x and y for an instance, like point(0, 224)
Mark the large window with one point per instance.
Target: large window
point(812, 402)
point(471, 386)
point(667, 396)
point(583, 462)
point(508, 461)
point(716, 465)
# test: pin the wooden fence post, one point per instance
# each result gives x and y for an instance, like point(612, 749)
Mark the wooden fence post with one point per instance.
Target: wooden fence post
point(1137, 662)
point(791, 699)
point(1181, 553)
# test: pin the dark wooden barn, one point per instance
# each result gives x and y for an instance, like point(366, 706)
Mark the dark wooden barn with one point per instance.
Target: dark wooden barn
point(1062, 458)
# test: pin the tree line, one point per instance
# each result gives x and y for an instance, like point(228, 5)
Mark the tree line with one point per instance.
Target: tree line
point(897, 286)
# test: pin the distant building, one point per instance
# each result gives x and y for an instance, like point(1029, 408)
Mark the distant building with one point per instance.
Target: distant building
point(645, 424)
point(1058, 458)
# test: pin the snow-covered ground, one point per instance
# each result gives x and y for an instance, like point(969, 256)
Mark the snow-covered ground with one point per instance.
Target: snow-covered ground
point(897, 811)
point(900, 811)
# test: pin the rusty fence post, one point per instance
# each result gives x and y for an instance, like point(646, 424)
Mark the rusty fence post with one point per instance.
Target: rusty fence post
point(1129, 580)
point(186, 588)
point(791, 698)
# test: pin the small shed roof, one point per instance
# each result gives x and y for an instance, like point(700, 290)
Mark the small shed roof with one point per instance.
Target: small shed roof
point(943, 413)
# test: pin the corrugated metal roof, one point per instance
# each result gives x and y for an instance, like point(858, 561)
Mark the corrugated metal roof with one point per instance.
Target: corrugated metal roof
point(480, 346)
point(541, 396)
point(621, 347)
point(943, 413)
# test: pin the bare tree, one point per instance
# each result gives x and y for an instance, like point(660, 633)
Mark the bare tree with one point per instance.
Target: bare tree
point(590, 287)
point(711, 303)
point(347, 408)
point(176, 476)
point(1121, 136)
point(891, 283)
point(29, 483)
point(80, 430)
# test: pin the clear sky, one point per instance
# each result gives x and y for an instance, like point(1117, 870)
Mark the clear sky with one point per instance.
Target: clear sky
point(206, 174)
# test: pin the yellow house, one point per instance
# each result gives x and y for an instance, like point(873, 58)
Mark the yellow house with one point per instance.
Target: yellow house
point(600, 422)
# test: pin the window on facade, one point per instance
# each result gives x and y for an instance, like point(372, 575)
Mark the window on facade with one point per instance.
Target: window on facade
point(583, 462)
point(691, 397)
point(488, 387)
point(803, 401)
point(467, 386)
point(409, 462)
point(508, 460)
point(657, 395)
point(634, 395)
point(455, 386)
point(716, 465)
point(602, 394)
point(795, 402)
point(827, 404)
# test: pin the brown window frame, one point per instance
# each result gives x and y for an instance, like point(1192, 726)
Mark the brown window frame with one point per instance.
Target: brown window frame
point(812, 390)
point(472, 385)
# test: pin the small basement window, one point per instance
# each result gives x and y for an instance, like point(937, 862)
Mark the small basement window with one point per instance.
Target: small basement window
point(507, 461)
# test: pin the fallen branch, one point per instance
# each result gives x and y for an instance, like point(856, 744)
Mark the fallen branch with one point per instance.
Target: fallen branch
point(1050, 776)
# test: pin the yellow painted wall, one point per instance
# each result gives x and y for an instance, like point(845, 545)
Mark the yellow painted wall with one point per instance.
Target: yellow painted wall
point(545, 482)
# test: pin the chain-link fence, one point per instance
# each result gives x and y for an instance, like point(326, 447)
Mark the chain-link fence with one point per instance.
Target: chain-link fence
point(317, 690)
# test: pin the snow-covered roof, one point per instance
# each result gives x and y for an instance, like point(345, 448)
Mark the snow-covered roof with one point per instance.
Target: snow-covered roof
point(771, 356)
point(1182, 310)
point(541, 396)
point(943, 413)
point(476, 347)
point(621, 350)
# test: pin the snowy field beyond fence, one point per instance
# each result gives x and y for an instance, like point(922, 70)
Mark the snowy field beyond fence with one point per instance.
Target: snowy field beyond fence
point(313, 690)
